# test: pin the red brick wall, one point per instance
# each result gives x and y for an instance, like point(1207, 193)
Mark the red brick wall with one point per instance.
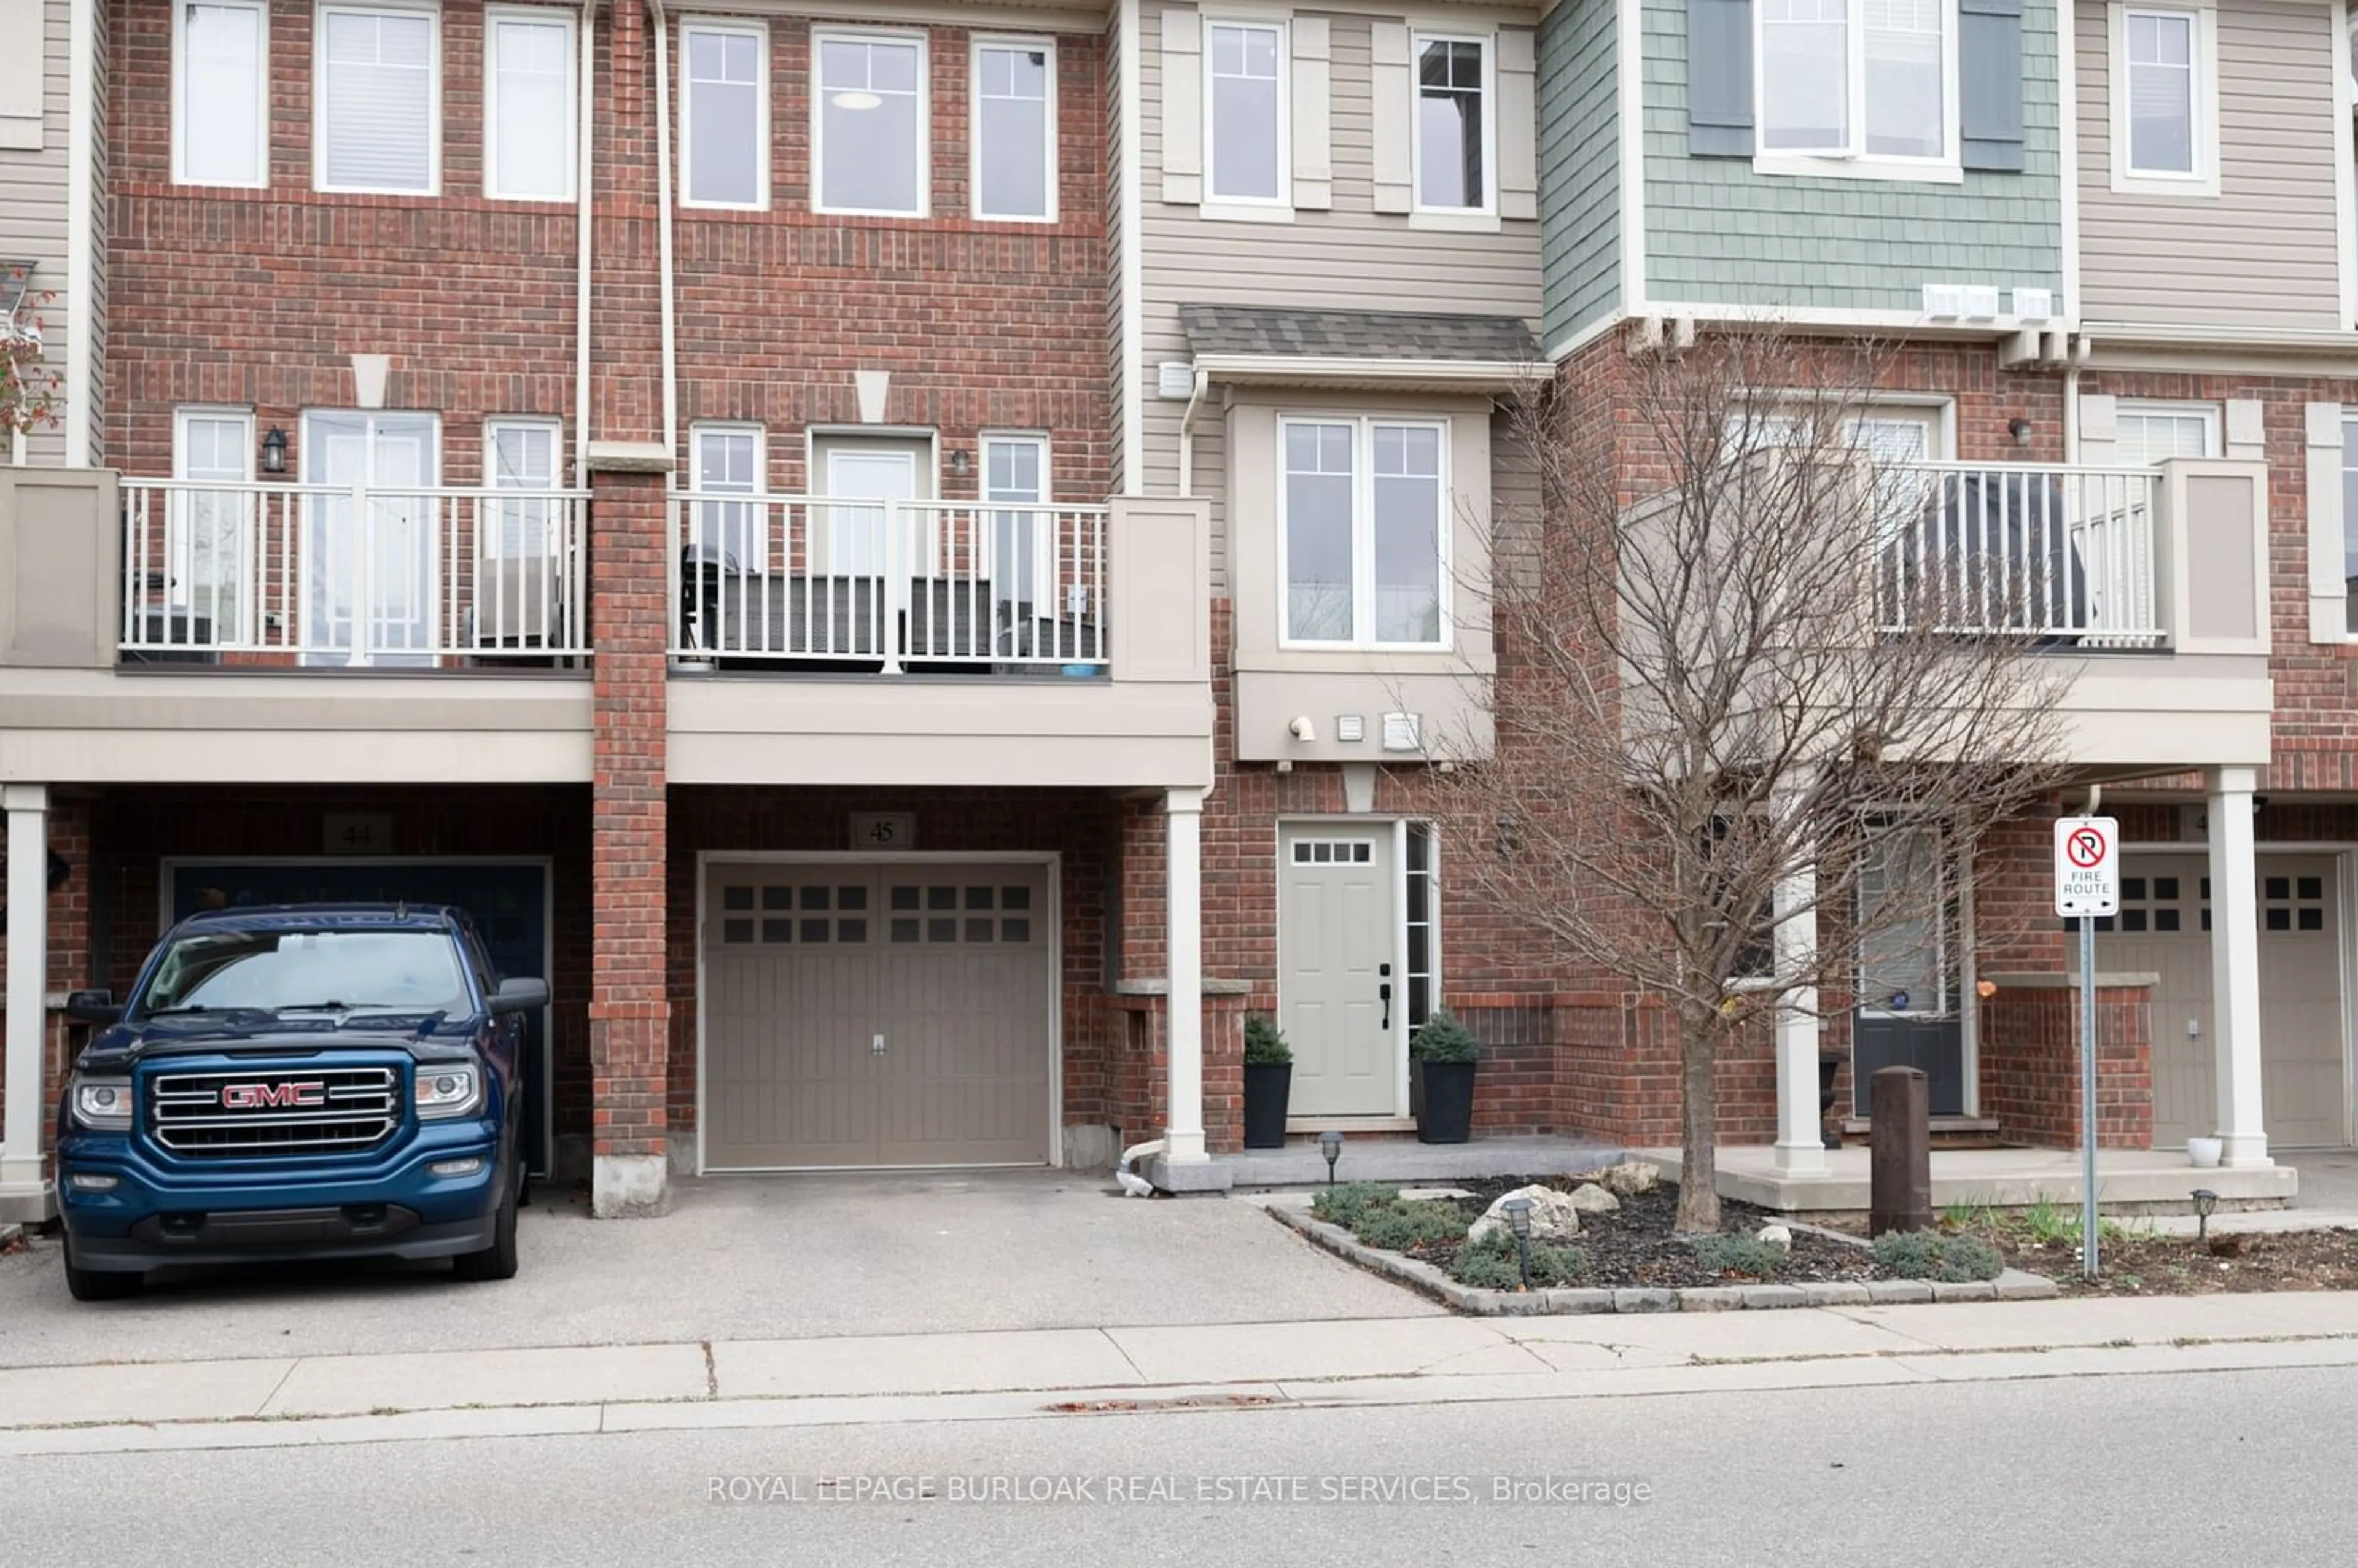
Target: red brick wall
point(2030, 1065)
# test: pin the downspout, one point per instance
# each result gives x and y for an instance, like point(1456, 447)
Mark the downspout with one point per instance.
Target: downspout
point(584, 174)
point(1132, 411)
point(1187, 433)
point(663, 241)
point(82, 110)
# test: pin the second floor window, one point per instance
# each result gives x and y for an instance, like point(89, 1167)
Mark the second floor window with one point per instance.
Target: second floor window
point(1363, 531)
point(379, 100)
point(2161, 59)
point(222, 106)
point(528, 119)
point(870, 109)
point(1855, 78)
point(724, 128)
point(1453, 124)
point(1015, 131)
point(1244, 120)
point(729, 532)
point(2149, 433)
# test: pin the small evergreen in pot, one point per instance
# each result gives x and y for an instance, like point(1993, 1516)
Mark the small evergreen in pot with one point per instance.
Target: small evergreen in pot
point(1444, 1052)
point(1269, 1083)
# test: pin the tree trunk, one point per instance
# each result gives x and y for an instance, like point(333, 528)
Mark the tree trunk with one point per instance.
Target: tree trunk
point(1698, 1130)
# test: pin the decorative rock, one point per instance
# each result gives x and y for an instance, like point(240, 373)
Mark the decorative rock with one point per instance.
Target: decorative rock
point(1590, 1198)
point(1432, 1195)
point(1776, 1236)
point(1631, 1177)
point(1553, 1217)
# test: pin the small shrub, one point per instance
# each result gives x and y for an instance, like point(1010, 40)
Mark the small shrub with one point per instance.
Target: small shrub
point(1343, 1205)
point(1729, 1253)
point(1265, 1044)
point(1929, 1255)
point(1490, 1264)
point(1442, 1038)
point(1403, 1226)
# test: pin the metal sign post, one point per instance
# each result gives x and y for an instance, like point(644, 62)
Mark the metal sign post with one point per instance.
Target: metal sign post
point(2087, 886)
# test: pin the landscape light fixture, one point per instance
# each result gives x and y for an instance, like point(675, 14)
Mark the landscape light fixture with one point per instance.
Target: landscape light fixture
point(1331, 1145)
point(1518, 1220)
point(274, 451)
point(2205, 1200)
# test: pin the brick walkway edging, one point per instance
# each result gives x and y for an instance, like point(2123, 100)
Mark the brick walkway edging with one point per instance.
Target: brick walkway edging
point(2013, 1285)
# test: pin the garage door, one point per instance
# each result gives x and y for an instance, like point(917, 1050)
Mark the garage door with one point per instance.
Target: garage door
point(2163, 928)
point(883, 1015)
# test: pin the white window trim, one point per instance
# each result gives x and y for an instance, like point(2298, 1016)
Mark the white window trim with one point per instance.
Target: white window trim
point(1363, 523)
point(2349, 459)
point(1046, 571)
point(1789, 162)
point(488, 542)
point(1218, 202)
point(180, 98)
point(974, 124)
point(924, 206)
point(760, 33)
point(567, 132)
point(433, 14)
point(703, 427)
point(2213, 415)
point(1487, 209)
point(178, 544)
point(182, 413)
point(2204, 180)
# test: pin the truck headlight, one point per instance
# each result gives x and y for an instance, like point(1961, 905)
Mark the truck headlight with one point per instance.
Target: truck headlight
point(448, 1091)
point(102, 1105)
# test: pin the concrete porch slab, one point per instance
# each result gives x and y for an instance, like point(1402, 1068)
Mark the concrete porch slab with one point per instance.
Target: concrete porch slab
point(2128, 1181)
point(1403, 1160)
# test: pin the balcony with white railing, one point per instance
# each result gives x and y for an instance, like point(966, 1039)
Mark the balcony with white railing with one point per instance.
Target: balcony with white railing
point(358, 577)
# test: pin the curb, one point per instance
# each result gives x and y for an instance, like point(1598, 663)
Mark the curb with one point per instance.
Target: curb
point(2014, 1285)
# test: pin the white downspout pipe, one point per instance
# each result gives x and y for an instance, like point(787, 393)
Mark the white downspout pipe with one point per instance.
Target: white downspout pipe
point(1132, 230)
point(662, 240)
point(82, 139)
point(584, 173)
point(1187, 433)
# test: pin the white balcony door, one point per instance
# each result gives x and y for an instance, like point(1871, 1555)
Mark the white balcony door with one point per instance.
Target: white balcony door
point(855, 534)
point(1021, 563)
point(209, 535)
point(369, 569)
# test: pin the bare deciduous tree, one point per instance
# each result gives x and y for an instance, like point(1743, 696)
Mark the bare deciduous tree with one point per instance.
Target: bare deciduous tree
point(1763, 674)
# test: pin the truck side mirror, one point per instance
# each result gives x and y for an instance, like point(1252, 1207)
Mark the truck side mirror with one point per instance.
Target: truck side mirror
point(91, 1007)
point(519, 996)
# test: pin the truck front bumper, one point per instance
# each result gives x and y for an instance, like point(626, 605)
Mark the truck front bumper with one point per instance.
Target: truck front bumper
point(293, 1235)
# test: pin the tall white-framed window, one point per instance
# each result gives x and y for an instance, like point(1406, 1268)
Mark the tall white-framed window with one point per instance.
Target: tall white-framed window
point(2349, 519)
point(378, 86)
point(1872, 81)
point(868, 123)
point(1024, 542)
point(209, 542)
point(221, 93)
point(1363, 532)
point(1456, 123)
point(2151, 432)
point(1015, 131)
point(724, 114)
point(529, 122)
point(525, 455)
point(2164, 92)
point(729, 533)
point(1246, 134)
point(1421, 914)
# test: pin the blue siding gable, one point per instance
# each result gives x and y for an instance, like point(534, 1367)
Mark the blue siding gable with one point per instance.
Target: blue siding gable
point(1580, 167)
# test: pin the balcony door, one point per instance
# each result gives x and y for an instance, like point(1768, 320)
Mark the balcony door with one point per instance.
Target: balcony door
point(369, 564)
point(859, 471)
point(209, 537)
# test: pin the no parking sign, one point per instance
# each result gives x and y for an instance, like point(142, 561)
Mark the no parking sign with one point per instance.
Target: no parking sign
point(2087, 866)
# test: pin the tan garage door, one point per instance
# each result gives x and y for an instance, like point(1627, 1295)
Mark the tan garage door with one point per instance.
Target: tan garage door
point(2163, 929)
point(876, 1015)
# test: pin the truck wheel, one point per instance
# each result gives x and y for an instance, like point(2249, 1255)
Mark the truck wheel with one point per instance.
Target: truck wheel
point(497, 1261)
point(99, 1284)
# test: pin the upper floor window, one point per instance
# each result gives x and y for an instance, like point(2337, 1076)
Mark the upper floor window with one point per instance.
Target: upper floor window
point(868, 112)
point(379, 100)
point(221, 105)
point(1453, 127)
point(2150, 432)
point(1363, 531)
point(528, 118)
point(1015, 130)
point(724, 114)
point(729, 532)
point(1245, 111)
point(2164, 90)
point(1858, 79)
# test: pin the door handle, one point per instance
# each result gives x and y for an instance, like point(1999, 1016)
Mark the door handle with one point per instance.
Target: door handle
point(876, 1045)
point(1384, 995)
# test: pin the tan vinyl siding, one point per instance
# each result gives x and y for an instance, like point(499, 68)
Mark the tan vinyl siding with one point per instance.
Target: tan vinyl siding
point(1348, 258)
point(33, 200)
point(2262, 252)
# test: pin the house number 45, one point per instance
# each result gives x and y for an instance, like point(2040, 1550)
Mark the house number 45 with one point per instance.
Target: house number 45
point(883, 830)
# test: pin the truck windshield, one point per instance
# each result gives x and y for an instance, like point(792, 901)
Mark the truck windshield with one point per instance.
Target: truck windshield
point(377, 971)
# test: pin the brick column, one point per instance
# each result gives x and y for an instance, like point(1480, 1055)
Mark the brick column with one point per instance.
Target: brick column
point(629, 1023)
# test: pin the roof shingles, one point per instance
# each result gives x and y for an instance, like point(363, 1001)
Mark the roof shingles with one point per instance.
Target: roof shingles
point(1356, 334)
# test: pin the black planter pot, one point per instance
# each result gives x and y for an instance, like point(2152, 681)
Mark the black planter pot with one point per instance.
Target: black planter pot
point(1447, 1116)
point(1267, 1088)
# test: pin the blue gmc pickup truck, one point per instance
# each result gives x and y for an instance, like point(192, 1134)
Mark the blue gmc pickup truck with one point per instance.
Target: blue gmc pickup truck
point(299, 1082)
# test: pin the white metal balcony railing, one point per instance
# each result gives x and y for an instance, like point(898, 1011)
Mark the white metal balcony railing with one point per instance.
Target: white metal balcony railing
point(352, 575)
point(2051, 552)
point(888, 585)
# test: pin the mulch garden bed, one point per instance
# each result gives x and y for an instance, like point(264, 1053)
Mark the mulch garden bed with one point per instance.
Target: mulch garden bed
point(2143, 1264)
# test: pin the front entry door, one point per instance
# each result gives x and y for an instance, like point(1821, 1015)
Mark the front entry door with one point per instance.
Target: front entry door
point(1339, 1000)
point(1908, 1014)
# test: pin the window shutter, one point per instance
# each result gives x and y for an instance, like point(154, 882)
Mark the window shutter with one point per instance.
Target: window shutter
point(2329, 615)
point(1719, 78)
point(1989, 77)
point(1395, 114)
point(2100, 431)
point(1183, 107)
point(1518, 121)
point(2246, 431)
point(20, 76)
point(1314, 162)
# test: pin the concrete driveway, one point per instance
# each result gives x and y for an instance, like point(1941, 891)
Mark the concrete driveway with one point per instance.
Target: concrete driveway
point(768, 1257)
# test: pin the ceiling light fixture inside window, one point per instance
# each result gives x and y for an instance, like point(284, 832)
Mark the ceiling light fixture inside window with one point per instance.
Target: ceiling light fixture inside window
point(857, 100)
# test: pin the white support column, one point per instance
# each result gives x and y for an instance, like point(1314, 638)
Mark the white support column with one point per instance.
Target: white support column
point(1183, 1133)
point(23, 1190)
point(1801, 1139)
point(2235, 968)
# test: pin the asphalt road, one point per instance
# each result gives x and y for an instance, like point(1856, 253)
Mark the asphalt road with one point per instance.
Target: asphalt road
point(2227, 1467)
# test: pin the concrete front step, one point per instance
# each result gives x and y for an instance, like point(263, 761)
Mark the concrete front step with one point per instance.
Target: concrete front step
point(1397, 1158)
point(2129, 1182)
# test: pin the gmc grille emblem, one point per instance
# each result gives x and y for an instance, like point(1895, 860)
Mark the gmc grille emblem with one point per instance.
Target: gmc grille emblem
point(263, 1097)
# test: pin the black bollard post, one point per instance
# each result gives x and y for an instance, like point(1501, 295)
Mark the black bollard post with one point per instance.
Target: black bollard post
point(1900, 1152)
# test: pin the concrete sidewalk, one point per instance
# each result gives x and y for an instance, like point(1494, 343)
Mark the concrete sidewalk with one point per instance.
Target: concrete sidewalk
point(284, 1401)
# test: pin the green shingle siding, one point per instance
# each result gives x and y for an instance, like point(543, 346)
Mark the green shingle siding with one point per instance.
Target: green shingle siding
point(1579, 184)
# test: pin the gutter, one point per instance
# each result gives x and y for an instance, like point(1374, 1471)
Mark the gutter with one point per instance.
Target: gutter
point(583, 173)
point(1304, 369)
point(663, 243)
point(81, 135)
point(1131, 226)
